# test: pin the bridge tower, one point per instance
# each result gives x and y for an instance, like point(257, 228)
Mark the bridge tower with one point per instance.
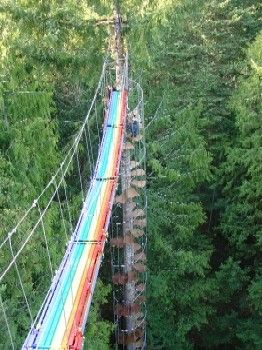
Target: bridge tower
point(128, 232)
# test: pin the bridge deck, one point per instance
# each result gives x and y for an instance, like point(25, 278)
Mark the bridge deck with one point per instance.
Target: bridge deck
point(62, 318)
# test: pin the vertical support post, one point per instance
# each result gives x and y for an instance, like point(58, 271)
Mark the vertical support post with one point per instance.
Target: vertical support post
point(118, 49)
point(129, 293)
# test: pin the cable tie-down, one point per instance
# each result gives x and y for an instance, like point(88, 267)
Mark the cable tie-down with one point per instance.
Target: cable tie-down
point(106, 178)
point(85, 241)
point(114, 125)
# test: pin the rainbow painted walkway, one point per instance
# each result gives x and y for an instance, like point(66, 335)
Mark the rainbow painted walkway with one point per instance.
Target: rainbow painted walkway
point(62, 318)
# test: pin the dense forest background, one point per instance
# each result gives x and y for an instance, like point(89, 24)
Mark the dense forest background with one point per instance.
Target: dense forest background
point(200, 65)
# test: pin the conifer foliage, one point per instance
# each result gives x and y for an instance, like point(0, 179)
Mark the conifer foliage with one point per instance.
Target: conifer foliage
point(200, 65)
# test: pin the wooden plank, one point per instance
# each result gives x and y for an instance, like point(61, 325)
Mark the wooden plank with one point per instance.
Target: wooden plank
point(140, 257)
point(140, 287)
point(137, 138)
point(128, 194)
point(140, 223)
point(138, 172)
point(141, 299)
point(138, 212)
point(127, 310)
point(131, 193)
point(132, 205)
point(136, 246)
point(121, 241)
point(138, 183)
point(140, 267)
point(137, 232)
point(128, 145)
point(133, 164)
point(120, 199)
point(119, 278)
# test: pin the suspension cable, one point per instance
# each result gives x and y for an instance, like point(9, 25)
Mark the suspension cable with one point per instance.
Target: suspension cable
point(67, 157)
point(7, 323)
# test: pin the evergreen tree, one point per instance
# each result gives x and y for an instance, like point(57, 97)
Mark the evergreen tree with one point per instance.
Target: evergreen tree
point(190, 55)
point(200, 67)
point(240, 307)
point(50, 61)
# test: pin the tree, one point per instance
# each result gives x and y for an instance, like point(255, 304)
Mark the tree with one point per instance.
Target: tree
point(50, 60)
point(241, 217)
point(191, 55)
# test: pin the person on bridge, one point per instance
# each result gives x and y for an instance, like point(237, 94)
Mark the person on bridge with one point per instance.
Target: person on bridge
point(133, 124)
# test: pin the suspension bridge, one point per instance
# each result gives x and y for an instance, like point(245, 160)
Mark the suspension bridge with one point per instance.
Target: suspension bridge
point(96, 194)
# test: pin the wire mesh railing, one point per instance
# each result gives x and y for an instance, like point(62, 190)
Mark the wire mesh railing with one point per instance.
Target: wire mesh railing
point(31, 252)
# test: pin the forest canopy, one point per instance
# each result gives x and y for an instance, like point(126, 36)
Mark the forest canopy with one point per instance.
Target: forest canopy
point(200, 65)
